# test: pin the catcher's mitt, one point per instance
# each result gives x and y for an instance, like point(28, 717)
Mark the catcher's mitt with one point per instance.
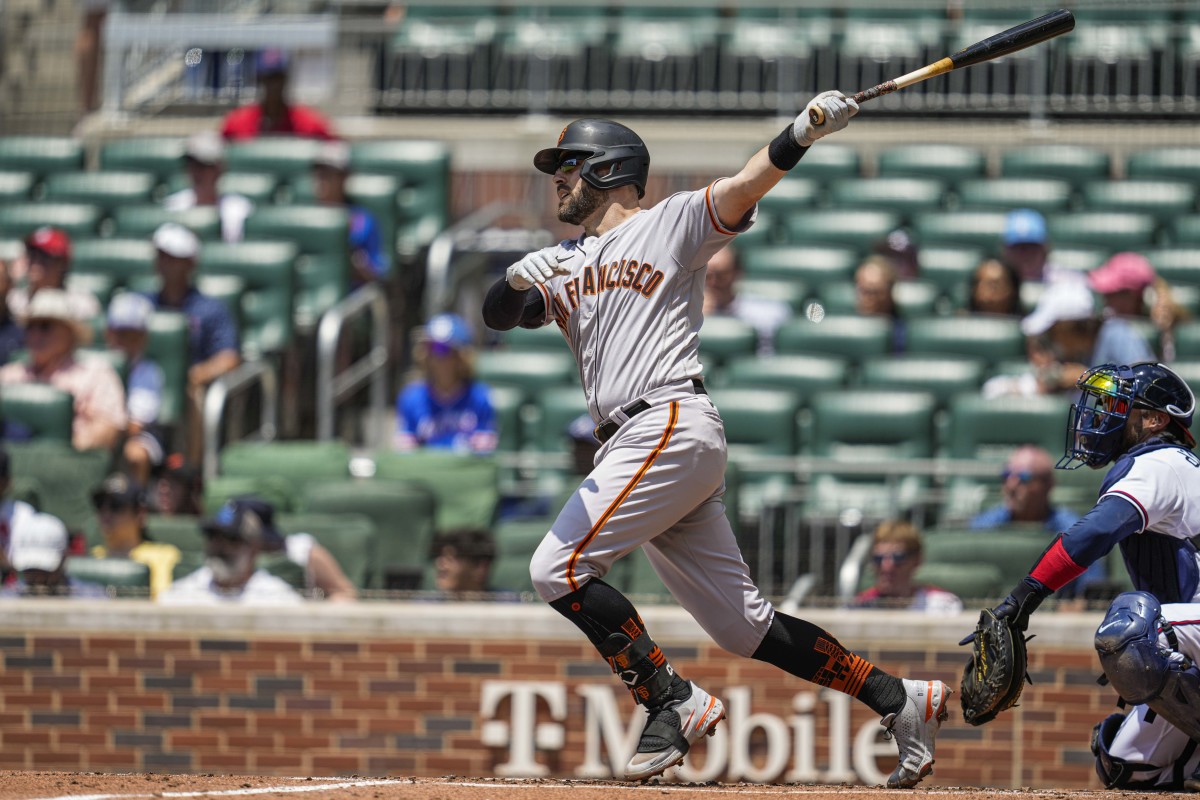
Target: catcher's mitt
point(994, 677)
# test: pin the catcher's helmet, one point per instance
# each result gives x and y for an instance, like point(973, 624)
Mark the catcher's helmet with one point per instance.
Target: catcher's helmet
point(1108, 393)
point(603, 142)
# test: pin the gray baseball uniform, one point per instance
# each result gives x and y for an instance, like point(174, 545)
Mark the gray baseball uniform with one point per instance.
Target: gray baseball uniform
point(630, 310)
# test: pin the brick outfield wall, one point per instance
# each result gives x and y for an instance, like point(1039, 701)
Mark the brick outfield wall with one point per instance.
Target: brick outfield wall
point(397, 689)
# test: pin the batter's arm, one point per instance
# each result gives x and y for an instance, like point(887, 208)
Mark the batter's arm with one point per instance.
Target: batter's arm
point(735, 197)
point(504, 307)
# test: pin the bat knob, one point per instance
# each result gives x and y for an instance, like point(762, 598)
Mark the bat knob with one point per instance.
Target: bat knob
point(816, 116)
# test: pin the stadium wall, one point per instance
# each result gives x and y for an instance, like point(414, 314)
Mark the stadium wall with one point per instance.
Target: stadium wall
point(428, 689)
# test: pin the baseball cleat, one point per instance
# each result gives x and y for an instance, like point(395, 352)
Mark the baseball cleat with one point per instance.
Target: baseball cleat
point(914, 727)
point(1192, 784)
point(671, 729)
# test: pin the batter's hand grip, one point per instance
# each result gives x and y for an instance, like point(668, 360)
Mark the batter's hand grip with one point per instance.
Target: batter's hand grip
point(817, 116)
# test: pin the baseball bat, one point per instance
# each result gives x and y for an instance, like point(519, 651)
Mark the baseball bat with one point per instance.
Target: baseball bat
point(1018, 37)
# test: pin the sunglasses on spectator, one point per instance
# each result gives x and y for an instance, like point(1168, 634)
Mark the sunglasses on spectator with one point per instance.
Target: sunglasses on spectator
point(569, 164)
point(895, 558)
point(1024, 475)
point(112, 504)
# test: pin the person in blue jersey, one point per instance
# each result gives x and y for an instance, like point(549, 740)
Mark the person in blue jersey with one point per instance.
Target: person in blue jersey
point(446, 407)
point(1137, 418)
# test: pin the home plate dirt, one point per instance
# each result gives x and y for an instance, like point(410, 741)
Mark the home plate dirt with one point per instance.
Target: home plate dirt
point(16, 785)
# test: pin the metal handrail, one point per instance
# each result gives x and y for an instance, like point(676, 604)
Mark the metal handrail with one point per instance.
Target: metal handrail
point(242, 377)
point(333, 389)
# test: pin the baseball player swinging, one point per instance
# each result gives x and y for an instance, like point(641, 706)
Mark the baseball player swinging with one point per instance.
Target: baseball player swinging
point(627, 295)
point(1136, 418)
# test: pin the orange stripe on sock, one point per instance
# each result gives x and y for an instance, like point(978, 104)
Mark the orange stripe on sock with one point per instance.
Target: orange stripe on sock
point(616, 503)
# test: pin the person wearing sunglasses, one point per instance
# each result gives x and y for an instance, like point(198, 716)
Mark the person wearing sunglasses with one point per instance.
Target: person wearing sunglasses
point(627, 295)
point(1135, 420)
point(120, 504)
point(896, 554)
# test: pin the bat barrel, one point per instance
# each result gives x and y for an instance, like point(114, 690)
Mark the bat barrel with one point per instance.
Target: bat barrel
point(1016, 38)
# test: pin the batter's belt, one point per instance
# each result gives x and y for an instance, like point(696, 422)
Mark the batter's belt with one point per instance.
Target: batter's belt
point(605, 430)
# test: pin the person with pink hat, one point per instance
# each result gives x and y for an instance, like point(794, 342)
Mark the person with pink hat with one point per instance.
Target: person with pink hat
point(1123, 281)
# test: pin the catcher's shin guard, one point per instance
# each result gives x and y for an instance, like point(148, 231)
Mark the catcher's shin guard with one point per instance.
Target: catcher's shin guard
point(1140, 669)
point(1117, 773)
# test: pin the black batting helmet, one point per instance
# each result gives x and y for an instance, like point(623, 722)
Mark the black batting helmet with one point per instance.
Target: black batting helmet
point(603, 142)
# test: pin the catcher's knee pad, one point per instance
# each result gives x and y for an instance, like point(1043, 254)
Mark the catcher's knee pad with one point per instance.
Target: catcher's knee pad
point(1115, 772)
point(1143, 671)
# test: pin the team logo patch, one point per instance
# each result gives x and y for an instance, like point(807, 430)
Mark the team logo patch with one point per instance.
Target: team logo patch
point(562, 134)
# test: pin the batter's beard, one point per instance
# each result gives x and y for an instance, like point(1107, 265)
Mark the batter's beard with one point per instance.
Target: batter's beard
point(575, 208)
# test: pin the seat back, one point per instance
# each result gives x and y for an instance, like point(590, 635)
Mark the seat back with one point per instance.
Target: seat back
point(764, 419)
point(41, 155)
point(65, 477)
point(286, 157)
point(724, 339)
point(183, 531)
point(868, 424)
point(267, 303)
point(946, 162)
point(1012, 552)
point(167, 346)
point(122, 575)
point(108, 190)
point(79, 220)
point(992, 339)
point(942, 376)
point(322, 269)
point(857, 229)
point(422, 169)
point(1074, 163)
point(141, 221)
point(349, 537)
point(161, 156)
point(300, 462)
point(529, 372)
point(811, 264)
point(466, 486)
point(37, 411)
point(1114, 230)
point(990, 428)
point(1003, 194)
point(852, 337)
point(122, 261)
point(802, 375)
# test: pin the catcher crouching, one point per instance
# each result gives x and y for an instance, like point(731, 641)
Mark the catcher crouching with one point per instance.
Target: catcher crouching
point(1137, 419)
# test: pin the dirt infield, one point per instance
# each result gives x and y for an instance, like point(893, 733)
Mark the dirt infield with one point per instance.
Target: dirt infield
point(100, 786)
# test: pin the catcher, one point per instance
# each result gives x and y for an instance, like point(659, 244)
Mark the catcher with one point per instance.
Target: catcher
point(1137, 419)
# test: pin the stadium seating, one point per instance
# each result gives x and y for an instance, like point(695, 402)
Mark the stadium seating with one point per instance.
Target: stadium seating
point(300, 462)
point(41, 155)
point(349, 536)
point(107, 190)
point(278, 491)
point(1110, 229)
point(1176, 264)
point(423, 171)
point(791, 196)
point(1074, 163)
point(942, 376)
point(547, 338)
point(122, 261)
point(758, 420)
point(810, 264)
point(322, 270)
point(1170, 163)
point(852, 337)
point(978, 336)
point(802, 375)
point(982, 428)
point(902, 195)
point(39, 410)
point(1185, 230)
point(121, 575)
point(162, 156)
point(1163, 199)
point(980, 229)
point(180, 530)
point(945, 162)
point(967, 581)
point(831, 161)
point(1003, 194)
point(266, 303)
point(466, 486)
point(142, 221)
point(726, 339)
point(286, 157)
point(65, 477)
point(79, 220)
point(529, 372)
point(15, 187)
point(507, 403)
point(556, 407)
point(950, 268)
point(857, 229)
point(167, 346)
point(1012, 551)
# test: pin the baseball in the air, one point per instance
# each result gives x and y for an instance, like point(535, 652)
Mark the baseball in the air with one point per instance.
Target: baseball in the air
point(815, 312)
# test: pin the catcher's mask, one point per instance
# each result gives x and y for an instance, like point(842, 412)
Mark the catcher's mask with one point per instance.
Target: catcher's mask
point(1096, 422)
point(601, 143)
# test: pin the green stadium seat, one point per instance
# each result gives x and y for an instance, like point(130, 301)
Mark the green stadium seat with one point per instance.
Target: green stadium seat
point(902, 195)
point(258, 188)
point(161, 156)
point(423, 170)
point(1074, 163)
point(376, 193)
point(183, 531)
point(40, 410)
point(15, 187)
point(791, 196)
point(99, 286)
point(1080, 259)
point(838, 298)
point(857, 229)
point(167, 345)
point(1176, 264)
point(1012, 551)
point(945, 162)
point(1169, 163)
point(758, 421)
point(1003, 194)
point(322, 270)
point(123, 575)
point(41, 155)
point(280, 492)
point(529, 372)
point(981, 229)
point(1187, 340)
point(942, 376)
point(508, 403)
point(402, 515)
point(516, 541)
point(794, 293)
point(810, 264)
point(286, 157)
point(802, 375)
point(832, 161)
point(640, 579)
point(1112, 229)
point(1185, 230)
point(65, 477)
point(466, 486)
point(301, 462)
point(556, 408)
point(724, 339)
point(108, 190)
point(122, 261)
point(349, 536)
point(975, 336)
point(852, 337)
point(1164, 199)
point(546, 339)
point(990, 428)
point(282, 567)
point(143, 221)
point(967, 581)
point(79, 220)
point(265, 305)
point(949, 268)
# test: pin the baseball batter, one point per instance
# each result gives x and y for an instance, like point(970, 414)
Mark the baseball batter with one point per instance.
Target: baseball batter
point(1137, 418)
point(627, 296)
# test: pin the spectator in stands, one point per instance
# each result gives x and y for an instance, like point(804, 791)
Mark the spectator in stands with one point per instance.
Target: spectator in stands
point(330, 170)
point(995, 288)
point(322, 572)
point(900, 248)
point(874, 296)
point(127, 332)
point(204, 161)
point(274, 114)
point(120, 503)
point(1122, 281)
point(13, 512)
point(463, 560)
point(52, 334)
point(12, 337)
point(1026, 245)
point(38, 554)
point(895, 555)
point(1027, 480)
point(178, 488)
point(723, 298)
point(446, 407)
point(213, 346)
point(234, 537)
point(48, 260)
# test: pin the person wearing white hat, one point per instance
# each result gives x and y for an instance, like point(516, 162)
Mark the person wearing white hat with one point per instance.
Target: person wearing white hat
point(204, 161)
point(38, 555)
point(52, 335)
point(128, 332)
point(213, 347)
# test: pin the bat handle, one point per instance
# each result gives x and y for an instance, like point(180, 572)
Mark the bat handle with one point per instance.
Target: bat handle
point(817, 116)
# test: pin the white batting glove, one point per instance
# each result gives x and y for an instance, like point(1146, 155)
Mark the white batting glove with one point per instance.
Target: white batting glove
point(837, 110)
point(537, 267)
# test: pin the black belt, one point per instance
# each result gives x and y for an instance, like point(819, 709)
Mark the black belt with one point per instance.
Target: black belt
point(605, 430)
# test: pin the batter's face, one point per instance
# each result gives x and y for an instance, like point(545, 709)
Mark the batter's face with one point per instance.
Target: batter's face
point(577, 199)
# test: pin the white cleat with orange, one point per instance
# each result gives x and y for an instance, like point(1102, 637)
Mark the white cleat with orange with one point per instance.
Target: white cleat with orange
point(915, 727)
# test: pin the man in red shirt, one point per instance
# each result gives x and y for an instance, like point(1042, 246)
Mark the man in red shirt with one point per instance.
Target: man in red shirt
point(273, 115)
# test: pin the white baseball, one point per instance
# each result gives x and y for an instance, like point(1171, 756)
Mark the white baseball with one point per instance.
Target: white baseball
point(815, 312)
